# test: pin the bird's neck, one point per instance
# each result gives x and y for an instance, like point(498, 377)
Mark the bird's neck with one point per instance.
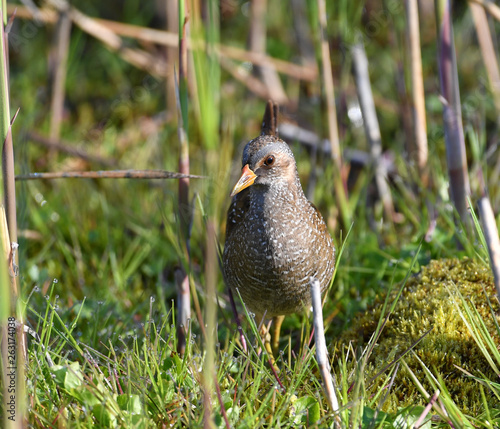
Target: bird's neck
point(265, 198)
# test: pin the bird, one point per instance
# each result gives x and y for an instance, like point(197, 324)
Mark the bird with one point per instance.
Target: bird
point(276, 239)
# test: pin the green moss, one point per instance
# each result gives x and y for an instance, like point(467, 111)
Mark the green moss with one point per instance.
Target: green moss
point(426, 303)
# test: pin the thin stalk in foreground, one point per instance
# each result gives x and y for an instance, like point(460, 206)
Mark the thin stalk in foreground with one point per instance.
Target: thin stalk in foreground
point(182, 278)
point(491, 236)
point(321, 352)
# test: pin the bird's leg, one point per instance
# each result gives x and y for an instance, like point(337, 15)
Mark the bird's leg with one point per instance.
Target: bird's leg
point(277, 321)
point(265, 334)
point(266, 338)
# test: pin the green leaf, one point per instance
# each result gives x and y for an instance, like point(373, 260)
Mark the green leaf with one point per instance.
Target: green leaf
point(85, 397)
point(130, 403)
point(68, 376)
point(406, 417)
point(104, 416)
point(233, 414)
point(372, 421)
point(307, 410)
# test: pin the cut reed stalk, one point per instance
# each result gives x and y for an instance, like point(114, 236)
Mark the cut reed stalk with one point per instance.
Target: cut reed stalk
point(417, 87)
point(452, 115)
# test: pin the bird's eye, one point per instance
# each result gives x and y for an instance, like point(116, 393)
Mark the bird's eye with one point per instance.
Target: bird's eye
point(269, 160)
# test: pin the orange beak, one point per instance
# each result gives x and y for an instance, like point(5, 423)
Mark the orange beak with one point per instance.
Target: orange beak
point(247, 178)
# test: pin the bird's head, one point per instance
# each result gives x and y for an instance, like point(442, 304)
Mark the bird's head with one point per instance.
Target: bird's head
point(267, 161)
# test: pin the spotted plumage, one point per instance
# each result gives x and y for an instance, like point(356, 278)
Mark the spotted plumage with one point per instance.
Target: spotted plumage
point(275, 238)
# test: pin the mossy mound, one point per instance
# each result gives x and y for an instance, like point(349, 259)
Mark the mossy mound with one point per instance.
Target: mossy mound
point(426, 303)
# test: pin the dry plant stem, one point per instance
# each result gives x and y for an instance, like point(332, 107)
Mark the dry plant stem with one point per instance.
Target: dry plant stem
point(6, 271)
point(492, 8)
point(69, 148)
point(452, 116)
point(332, 116)
point(183, 291)
point(172, 21)
point(237, 319)
point(321, 352)
point(427, 409)
point(417, 84)
point(329, 87)
point(257, 44)
point(487, 50)
point(372, 129)
point(310, 139)
point(137, 57)
point(221, 403)
point(242, 75)
point(9, 189)
point(303, 33)
point(115, 174)
point(491, 236)
point(62, 37)
point(306, 73)
point(183, 308)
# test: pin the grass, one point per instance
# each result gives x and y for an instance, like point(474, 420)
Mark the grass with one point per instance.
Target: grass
point(98, 257)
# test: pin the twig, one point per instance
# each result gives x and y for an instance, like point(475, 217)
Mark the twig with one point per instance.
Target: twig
point(291, 132)
point(221, 403)
point(321, 352)
point(257, 44)
point(137, 57)
point(237, 319)
point(114, 174)
point(372, 128)
point(491, 236)
point(243, 76)
point(427, 408)
point(68, 147)
point(165, 38)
